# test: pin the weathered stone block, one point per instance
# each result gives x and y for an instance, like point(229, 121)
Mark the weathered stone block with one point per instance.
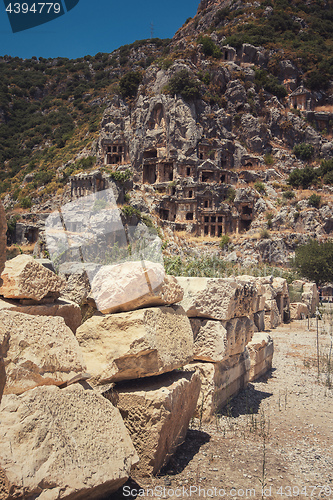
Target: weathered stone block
point(62, 444)
point(220, 382)
point(63, 308)
point(136, 344)
point(215, 340)
point(298, 310)
point(219, 298)
point(38, 350)
point(128, 286)
point(157, 412)
point(261, 350)
point(24, 278)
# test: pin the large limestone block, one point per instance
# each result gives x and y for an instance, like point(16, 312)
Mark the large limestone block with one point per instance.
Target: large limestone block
point(298, 310)
point(62, 444)
point(259, 321)
point(280, 285)
point(3, 239)
point(24, 278)
point(128, 286)
point(157, 412)
point(38, 350)
point(310, 297)
point(216, 340)
point(218, 298)
point(136, 344)
point(272, 315)
point(220, 382)
point(261, 350)
point(63, 308)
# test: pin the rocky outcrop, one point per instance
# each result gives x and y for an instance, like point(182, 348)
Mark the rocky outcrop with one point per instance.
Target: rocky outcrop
point(220, 381)
point(70, 312)
point(215, 341)
point(261, 350)
point(62, 444)
point(23, 278)
point(219, 298)
point(128, 286)
point(136, 344)
point(3, 239)
point(157, 412)
point(38, 350)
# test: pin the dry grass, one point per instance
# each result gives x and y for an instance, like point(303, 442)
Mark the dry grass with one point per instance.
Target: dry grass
point(328, 108)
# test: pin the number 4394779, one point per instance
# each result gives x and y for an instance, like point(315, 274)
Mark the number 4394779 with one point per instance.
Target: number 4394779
point(35, 8)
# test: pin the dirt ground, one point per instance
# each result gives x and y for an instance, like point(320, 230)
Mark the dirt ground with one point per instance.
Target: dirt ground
point(274, 440)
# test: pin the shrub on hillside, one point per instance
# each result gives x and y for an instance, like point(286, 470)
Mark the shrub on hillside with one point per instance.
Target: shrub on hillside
point(129, 84)
point(303, 151)
point(184, 84)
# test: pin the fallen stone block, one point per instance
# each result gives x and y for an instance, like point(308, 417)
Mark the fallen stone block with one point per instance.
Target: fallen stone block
point(157, 412)
point(128, 286)
point(136, 344)
point(24, 278)
point(298, 310)
point(38, 350)
point(261, 350)
point(219, 298)
point(63, 308)
point(219, 383)
point(215, 340)
point(62, 444)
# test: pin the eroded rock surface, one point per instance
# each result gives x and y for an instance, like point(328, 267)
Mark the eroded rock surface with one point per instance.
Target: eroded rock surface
point(219, 298)
point(38, 350)
point(261, 350)
point(62, 444)
point(215, 340)
point(136, 344)
point(63, 308)
point(157, 412)
point(219, 382)
point(24, 278)
point(128, 286)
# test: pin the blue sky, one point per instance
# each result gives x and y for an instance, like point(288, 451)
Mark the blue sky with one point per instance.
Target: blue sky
point(96, 26)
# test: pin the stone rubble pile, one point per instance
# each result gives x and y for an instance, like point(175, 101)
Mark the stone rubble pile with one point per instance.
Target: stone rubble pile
point(91, 404)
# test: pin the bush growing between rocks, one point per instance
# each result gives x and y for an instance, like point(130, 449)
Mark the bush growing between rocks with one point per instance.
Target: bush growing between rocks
point(184, 84)
point(209, 48)
point(288, 195)
point(303, 151)
point(314, 200)
point(129, 84)
point(225, 240)
point(260, 187)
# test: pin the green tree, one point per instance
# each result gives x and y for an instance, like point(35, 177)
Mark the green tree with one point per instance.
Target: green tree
point(129, 84)
point(315, 261)
point(184, 84)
